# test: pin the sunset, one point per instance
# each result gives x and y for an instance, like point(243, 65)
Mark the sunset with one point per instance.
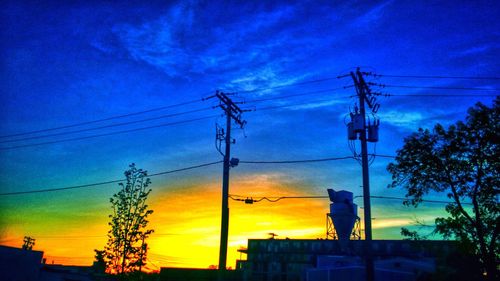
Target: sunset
point(89, 88)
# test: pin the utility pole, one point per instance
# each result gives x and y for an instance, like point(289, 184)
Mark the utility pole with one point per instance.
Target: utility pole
point(367, 133)
point(232, 112)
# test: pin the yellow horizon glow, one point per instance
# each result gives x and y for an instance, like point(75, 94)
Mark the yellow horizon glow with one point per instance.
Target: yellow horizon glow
point(186, 221)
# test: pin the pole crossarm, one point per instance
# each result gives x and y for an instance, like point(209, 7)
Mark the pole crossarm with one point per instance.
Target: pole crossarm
point(230, 108)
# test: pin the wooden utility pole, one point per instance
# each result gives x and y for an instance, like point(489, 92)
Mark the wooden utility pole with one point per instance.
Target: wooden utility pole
point(358, 129)
point(233, 113)
point(359, 83)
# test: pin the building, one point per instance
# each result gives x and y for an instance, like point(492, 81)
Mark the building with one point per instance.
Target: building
point(290, 259)
point(197, 274)
point(19, 265)
point(27, 265)
point(57, 272)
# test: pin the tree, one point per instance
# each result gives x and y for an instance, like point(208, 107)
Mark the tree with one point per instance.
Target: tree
point(99, 265)
point(125, 250)
point(28, 243)
point(463, 162)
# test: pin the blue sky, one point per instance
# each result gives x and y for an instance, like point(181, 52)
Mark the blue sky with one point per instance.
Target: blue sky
point(69, 63)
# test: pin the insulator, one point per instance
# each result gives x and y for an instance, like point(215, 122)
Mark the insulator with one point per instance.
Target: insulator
point(351, 135)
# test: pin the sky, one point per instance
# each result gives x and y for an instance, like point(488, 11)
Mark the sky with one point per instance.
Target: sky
point(63, 64)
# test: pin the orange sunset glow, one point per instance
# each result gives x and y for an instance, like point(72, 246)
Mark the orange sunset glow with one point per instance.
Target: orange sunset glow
point(186, 221)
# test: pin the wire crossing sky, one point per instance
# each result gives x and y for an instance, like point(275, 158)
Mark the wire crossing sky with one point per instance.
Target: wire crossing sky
point(88, 88)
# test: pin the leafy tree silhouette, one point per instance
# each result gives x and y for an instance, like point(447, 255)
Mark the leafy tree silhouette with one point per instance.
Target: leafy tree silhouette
point(99, 265)
point(28, 243)
point(461, 161)
point(125, 251)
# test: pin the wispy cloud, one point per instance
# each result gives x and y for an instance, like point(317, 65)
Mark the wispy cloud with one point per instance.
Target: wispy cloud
point(475, 50)
point(316, 105)
point(412, 120)
point(406, 120)
point(172, 42)
point(372, 15)
point(266, 78)
point(254, 49)
point(153, 43)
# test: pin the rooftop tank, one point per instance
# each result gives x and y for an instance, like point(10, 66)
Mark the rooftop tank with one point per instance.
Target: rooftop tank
point(343, 212)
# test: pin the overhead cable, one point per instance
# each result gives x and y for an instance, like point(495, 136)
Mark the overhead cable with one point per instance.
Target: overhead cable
point(104, 119)
point(438, 77)
point(438, 95)
point(188, 168)
point(106, 182)
point(108, 126)
point(273, 199)
point(438, 87)
point(297, 161)
point(110, 134)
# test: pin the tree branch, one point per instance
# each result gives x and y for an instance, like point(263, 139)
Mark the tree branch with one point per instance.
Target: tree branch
point(456, 196)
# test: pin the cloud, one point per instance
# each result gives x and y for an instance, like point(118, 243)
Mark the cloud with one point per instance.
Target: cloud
point(316, 105)
point(180, 43)
point(265, 77)
point(253, 48)
point(408, 120)
point(472, 51)
point(373, 15)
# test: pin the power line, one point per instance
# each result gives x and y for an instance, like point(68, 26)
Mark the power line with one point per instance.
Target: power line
point(250, 200)
point(350, 96)
point(438, 77)
point(161, 108)
point(104, 119)
point(188, 168)
point(137, 129)
point(298, 161)
point(84, 236)
point(437, 87)
point(62, 188)
point(110, 134)
point(382, 155)
point(107, 182)
point(249, 91)
point(109, 126)
point(423, 200)
point(144, 128)
point(185, 169)
point(150, 119)
point(273, 199)
point(438, 95)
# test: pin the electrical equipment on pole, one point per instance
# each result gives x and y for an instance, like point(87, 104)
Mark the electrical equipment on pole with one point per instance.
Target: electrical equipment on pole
point(233, 113)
